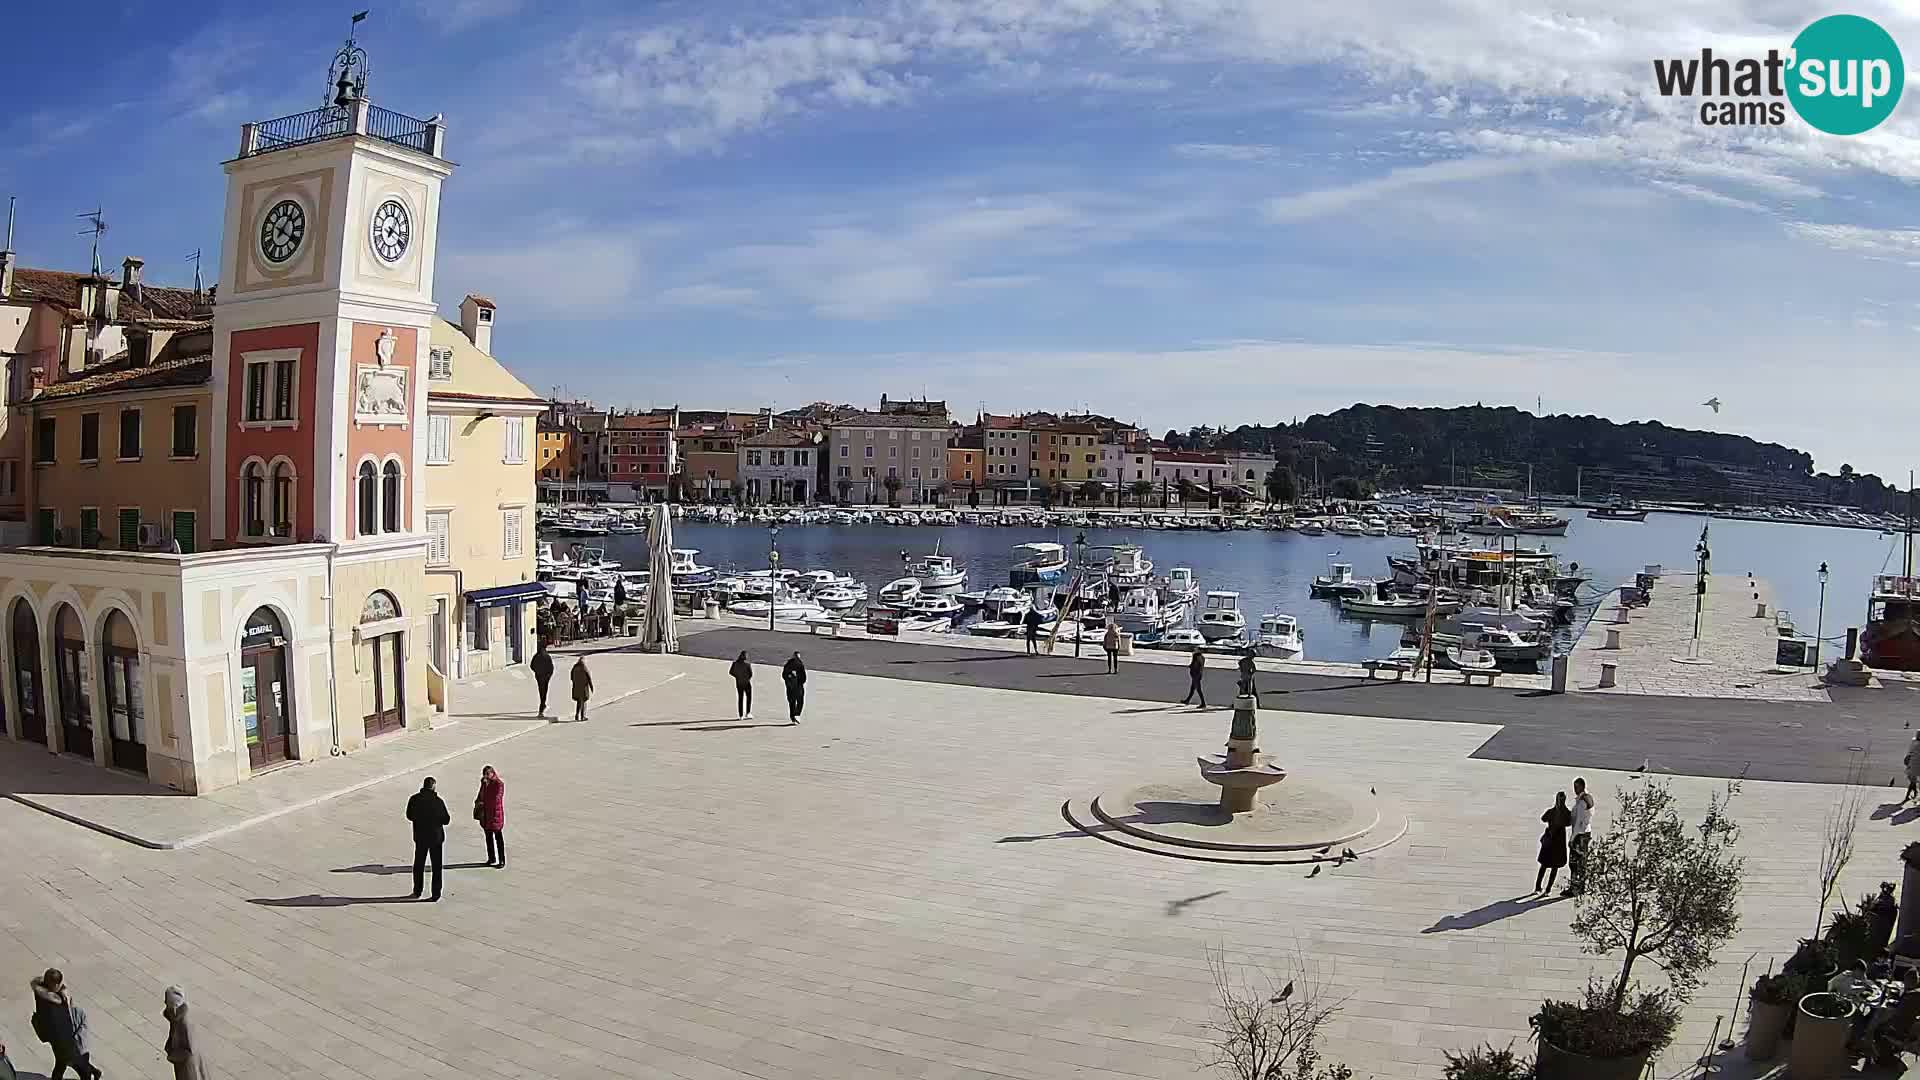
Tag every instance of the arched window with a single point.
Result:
(252, 496)
(283, 499)
(390, 498)
(369, 499)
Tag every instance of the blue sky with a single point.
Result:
(1182, 211)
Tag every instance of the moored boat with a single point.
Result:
(1220, 617)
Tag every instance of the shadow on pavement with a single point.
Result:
(315, 900)
(379, 868)
(1492, 913)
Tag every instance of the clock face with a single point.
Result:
(282, 230)
(391, 231)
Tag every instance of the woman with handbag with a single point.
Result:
(490, 810)
(62, 1025)
(1553, 842)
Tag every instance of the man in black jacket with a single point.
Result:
(429, 817)
(542, 666)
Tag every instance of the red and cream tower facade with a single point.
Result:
(319, 403)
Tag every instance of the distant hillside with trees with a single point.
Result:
(1385, 446)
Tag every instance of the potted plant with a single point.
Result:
(1815, 959)
(1850, 938)
(1819, 1046)
(1772, 1005)
(1655, 889)
(1487, 1063)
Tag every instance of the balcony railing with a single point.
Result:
(334, 121)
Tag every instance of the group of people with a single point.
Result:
(793, 673)
(1558, 849)
(61, 1023)
(428, 813)
(542, 667)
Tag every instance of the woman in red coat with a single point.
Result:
(490, 810)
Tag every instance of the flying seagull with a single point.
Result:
(1712, 403)
(1285, 993)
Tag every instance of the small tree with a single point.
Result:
(1836, 847)
(1350, 488)
(1656, 889)
(1142, 490)
(1282, 487)
(1263, 1030)
(892, 484)
(1090, 493)
(1185, 488)
(843, 486)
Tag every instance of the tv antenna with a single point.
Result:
(95, 225)
(194, 258)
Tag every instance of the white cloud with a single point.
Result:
(573, 271)
(708, 295)
(1288, 209)
(1878, 243)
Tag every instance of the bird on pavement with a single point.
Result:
(1316, 872)
(1347, 853)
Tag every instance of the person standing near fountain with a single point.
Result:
(1553, 843)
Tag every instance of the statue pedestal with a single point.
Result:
(1243, 770)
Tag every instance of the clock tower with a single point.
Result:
(320, 359)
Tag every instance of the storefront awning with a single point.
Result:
(506, 594)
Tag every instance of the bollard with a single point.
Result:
(1620, 614)
(1760, 610)
(1608, 671)
(1613, 639)
(1853, 640)
(1560, 673)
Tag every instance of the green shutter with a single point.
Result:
(130, 528)
(89, 528)
(183, 529)
(46, 523)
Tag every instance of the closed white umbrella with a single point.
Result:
(657, 633)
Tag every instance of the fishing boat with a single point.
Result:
(1280, 637)
(1041, 563)
(1180, 587)
(934, 607)
(1181, 637)
(1471, 658)
(900, 592)
(1140, 611)
(1891, 637)
(1004, 604)
(1371, 604)
(785, 608)
(815, 580)
(686, 569)
(938, 573)
(1128, 566)
(1220, 617)
(1340, 582)
(1618, 512)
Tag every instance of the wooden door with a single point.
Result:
(263, 704)
(389, 692)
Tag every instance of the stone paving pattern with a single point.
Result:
(887, 891)
(1739, 647)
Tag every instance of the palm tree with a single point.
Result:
(1141, 490)
(892, 484)
(1090, 492)
(1185, 487)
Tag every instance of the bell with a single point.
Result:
(345, 95)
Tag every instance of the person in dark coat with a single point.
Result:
(582, 688)
(542, 667)
(429, 817)
(188, 1062)
(6, 1065)
(794, 674)
(742, 673)
(1196, 670)
(490, 810)
(1112, 644)
(62, 1025)
(1553, 842)
(1033, 632)
(1246, 674)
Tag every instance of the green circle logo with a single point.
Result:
(1846, 75)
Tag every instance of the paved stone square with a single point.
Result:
(888, 890)
(1736, 645)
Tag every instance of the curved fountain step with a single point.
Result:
(1080, 814)
(1337, 838)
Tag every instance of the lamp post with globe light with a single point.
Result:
(1820, 620)
(773, 572)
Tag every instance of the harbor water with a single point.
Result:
(1271, 570)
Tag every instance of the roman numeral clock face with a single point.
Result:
(391, 231)
(282, 230)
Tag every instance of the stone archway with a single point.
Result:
(24, 635)
(266, 699)
(122, 688)
(383, 644)
(70, 682)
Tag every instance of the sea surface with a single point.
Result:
(1271, 570)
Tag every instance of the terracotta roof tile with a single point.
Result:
(903, 420)
(156, 303)
(120, 375)
(779, 437)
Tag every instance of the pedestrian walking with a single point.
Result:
(490, 810)
(429, 817)
(542, 668)
(1553, 843)
(6, 1065)
(62, 1025)
(1112, 644)
(794, 674)
(742, 673)
(1913, 767)
(1582, 841)
(1033, 632)
(1196, 671)
(187, 1060)
(1246, 675)
(582, 688)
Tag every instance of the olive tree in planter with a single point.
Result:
(1656, 890)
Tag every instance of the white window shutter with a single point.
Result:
(438, 525)
(439, 431)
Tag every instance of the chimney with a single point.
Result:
(476, 321)
(130, 277)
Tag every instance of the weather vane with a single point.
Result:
(347, 75)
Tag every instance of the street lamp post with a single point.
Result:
(1820, 620)
(773, 572)
(1075, 582)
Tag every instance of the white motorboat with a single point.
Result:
(840, 597)
(927, 626)
(686, 568)
(815, 580)
(1339, 581)
(1470, 658)
(1310, 527)
(1220, 618)
(937, 572)
(786, 609)
(900, 592)
(1140, 611)
(1375, 606)
(1181, 586)
(1129, 566)
(1037, 564)
(1182, 637)
(934, 607)
(1373, 526)
(1280, 637)
(994, 628)
(1004, 604)
(1346, 526)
